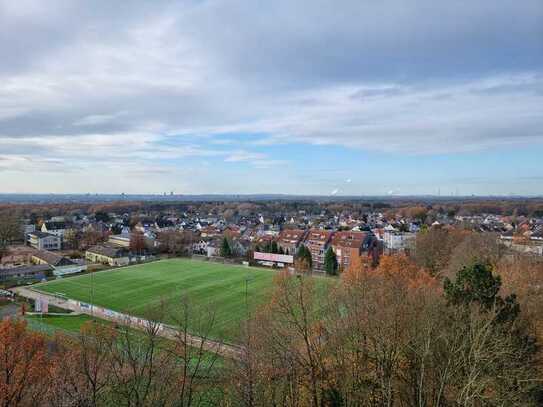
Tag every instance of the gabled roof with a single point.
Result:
(291, 236)
(42, 235)
(108, 251)
(31, 269)
(349, 239)
(52, 259)
(55, 225)
(318, 236)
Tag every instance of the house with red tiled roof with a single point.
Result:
(263, 241)
(317, 241)
(210, 232)
(290, 239)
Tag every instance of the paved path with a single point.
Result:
(9, 310)
(166, 331)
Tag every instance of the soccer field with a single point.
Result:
(136, 288)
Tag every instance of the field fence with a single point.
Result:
(216, 259)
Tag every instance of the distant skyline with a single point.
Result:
(291, 97)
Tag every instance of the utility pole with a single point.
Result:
(247, 280)
(92, 295)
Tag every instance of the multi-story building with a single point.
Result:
(317, 241)
(290, 239)
(44, 241)
(54, 228)
(349, 244)
(394, 240)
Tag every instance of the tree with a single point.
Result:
(493, 340)
(137, 242)
(72, 239)
(81, 371)
(476, 248)
(24, 366)
(477, 285)
(330, 262)
(177, 243)
(226, 250)
(90, 238)
(274, 248)
(303, 261)
(523, 276)
(10, 229)
(282, 364)
(434, 247)
(101, 216)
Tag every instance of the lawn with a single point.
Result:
(49, 324)
(135, 289)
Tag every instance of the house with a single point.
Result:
(318, 241)
(108, 254)
(30, 272)
(54, 228)
(213, 247)
(290, 239)
(210, 232)
(349, 244)
(200, 247)
(60, 265)
(44, 241)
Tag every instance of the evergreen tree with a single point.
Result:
(274, 248)
(477, 284)
(226, 250)
(304, 255)
(330, 262)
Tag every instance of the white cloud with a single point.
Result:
(81, 91)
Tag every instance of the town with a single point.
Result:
(266, 233)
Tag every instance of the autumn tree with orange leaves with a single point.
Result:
(24, 365)
(383, 336)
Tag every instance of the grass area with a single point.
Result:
(137, 288)
(49, 324)
(71, 325)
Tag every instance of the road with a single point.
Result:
(166, 331)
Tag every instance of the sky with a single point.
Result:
(315, 97)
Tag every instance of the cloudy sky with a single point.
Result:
(300, 97)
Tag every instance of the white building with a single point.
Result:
(54, 228)
(394, 240)
(44, 241)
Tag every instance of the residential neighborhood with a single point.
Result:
(69, 242)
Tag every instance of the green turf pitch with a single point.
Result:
(63, 323)
(136, 288)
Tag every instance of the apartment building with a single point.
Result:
(317, 241)
(349, 244)
(54, 228)
(290, 239)
(44, 241)
(395, 241)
